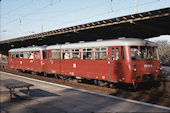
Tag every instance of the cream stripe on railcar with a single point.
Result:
(28, 49)
(116, 42)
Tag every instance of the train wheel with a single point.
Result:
(95, 82)
(135, 86)
(56, 76)
(45, 74)
(72, 80)
(18, 70)
(62, 77)
(112, 85)
(103, 83)
(33, 73)
(156, 84)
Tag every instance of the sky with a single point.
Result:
(27, 17)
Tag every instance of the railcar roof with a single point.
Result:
(36, 48)
(105, 43)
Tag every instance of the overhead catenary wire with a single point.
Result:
(21, 6)
(66, 13)
(51, 4)
(99, 14)
(106, 12)
(31, 13)
(85, 8)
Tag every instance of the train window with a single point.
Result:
(75, 54)
(103, 49)
(122, 53)
(117, 53)
(31, 55)
(101, 53)
(113, 56)
(97, 49)
(55, 54)
(97, 53)
(37, 55)
(26, 55)
(146, 53)
(155, 53)
(87, 54)
(44, 54)
(13, 55)
(21, 55)
(65, 54)
(135, 53)
(17, 55)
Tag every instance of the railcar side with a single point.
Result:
(101, 63)
(30, 59)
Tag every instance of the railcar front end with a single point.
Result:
(144, 65)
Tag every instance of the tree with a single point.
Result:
(164, 52)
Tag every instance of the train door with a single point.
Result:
(115, 63)
(37, 61)
(44, 58)
(47, 66)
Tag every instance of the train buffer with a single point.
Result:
(12, 84)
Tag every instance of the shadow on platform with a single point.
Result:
(38, 93)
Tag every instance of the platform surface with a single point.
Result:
(50, 98)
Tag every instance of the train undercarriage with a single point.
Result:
(147, 82)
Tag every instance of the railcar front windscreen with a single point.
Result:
(144, 53)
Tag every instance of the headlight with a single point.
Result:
(160, 68)
(134, 69)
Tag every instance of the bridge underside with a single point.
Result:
(142, 25)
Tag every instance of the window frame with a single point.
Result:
(87, 51)
(63, 54)
(75, 54)
(39, 55)
(100, 51)
(57, 53)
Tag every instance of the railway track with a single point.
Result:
(160, 96)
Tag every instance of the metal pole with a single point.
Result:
(111, 5)
(4, 33)
(136, 6)
(42, 28)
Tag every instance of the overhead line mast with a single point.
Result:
(136, 1)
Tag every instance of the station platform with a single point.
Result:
(48, 97)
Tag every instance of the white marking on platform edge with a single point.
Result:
(114, 97)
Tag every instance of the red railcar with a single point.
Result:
(123, 60)
(30, 58)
